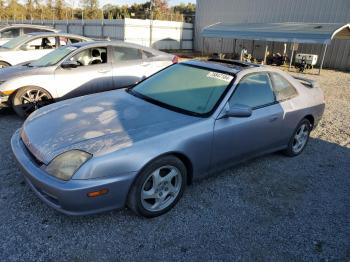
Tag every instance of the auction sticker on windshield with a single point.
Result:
(220, 76)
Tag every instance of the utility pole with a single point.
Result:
(151, 23)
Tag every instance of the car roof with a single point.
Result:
(113, 43)
(33, 34)
(29, 26)
(223, 65)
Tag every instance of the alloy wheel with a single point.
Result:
(161, 188)
(300, 138)
(33, 99)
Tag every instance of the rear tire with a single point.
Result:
(299, 139)
(158, 187)
(4, 64)
(28, 99)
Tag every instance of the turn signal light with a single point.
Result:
(8, 92)
(98, 193)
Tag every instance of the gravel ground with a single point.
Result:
(268, 209)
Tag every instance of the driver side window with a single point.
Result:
(40, 43)
(91, 56)
(254, 91)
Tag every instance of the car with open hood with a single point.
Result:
(141, 146)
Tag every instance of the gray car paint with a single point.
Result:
(125, 133)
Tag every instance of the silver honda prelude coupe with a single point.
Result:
(141, 146)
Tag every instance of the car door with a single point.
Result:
(35, 49)
(93, 75)
(128, 66)
(237, 138)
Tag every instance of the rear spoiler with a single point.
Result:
(307, 82)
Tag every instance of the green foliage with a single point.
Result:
(89, 9)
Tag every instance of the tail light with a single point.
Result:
(175, 59)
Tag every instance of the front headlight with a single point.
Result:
(65, 165)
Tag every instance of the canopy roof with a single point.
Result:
(314, 33)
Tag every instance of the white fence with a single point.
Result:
(160, 34)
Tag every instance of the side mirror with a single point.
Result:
(69, 64)
(238, 111)
(25, 47)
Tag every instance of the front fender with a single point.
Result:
(42, 81)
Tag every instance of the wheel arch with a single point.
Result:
(181, 156)
(32, 86)
(2, 61)
(311, 120)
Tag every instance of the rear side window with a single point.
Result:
(282, 88)
(126, 54)
(28, 30)
(253, 90)
(10, 33)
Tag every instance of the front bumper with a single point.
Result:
(4, 101)
(70, 197)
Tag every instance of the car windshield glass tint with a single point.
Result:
(15, 42)
(185, 87)
(53, 57)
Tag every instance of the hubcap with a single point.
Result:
(161, 188)
(300, 138)
(32, 100)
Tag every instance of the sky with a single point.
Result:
(122, 2)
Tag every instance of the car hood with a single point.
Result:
(21, 70)
(97, 124)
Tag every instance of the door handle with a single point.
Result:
(146, 64)
(103, 71)
(273, 118)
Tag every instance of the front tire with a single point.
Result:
(299, 139)
(158, 187)
(28, 99)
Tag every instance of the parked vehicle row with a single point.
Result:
(8, 32)
(78, 69)
(33, 46)
(167, 125)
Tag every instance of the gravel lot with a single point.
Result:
(267, 209)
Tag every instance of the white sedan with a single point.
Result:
(33, 46)
(8, 32)
(76, 70)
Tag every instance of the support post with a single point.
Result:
(234, 49)
(222, 45)
(265, 54)
(203, 43)
(323, 56)
(291, 57)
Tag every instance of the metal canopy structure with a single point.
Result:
(308, 33)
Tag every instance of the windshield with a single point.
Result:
(15, 42)
(193, 89)
(53, 57)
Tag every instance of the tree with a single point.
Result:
(60, 9)
(91, 9)
(2, 9)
